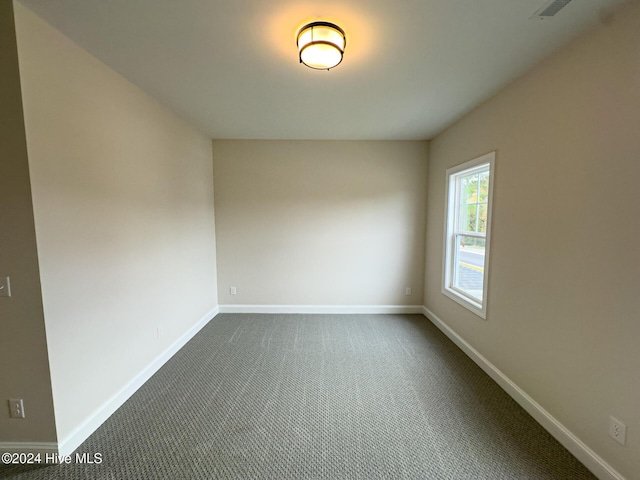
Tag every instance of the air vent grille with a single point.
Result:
(550, 8)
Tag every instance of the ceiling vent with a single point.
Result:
(549, 9)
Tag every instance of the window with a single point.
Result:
(467, 233)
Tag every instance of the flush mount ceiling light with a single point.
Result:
(321, 45)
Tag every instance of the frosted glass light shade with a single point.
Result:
(321, 45)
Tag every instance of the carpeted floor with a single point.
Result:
(319, 397)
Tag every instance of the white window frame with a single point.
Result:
(450, 232)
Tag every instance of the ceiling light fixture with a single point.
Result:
(321, 45)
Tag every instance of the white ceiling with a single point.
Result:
(230, 67)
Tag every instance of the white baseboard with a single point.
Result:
(577, 447)
(29, 447)
(329, 309)
(102, 413)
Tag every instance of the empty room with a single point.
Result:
(320, 240)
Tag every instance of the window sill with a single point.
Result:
(470, 305)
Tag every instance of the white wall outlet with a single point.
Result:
(16, 406)
(5, 287)
(617, 430)
(232, 290)
(159, 331)
(407, 291)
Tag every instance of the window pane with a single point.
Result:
(482, 218)
(469, 189)
(483, 181)
(468, 274)
(467, 218)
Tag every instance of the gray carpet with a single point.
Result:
(319, 397)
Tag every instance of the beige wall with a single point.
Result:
(564, 287)
(24, 370)
(123, 203)
(320, 222)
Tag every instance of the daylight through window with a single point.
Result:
(469, 188)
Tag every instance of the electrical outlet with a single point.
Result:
(232, 290)
(617, 430)
(159, 331)
(407, 291)
(5, 287)
(16, 406)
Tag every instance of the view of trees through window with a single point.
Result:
(474, 198)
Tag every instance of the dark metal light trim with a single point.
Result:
(321, 42)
